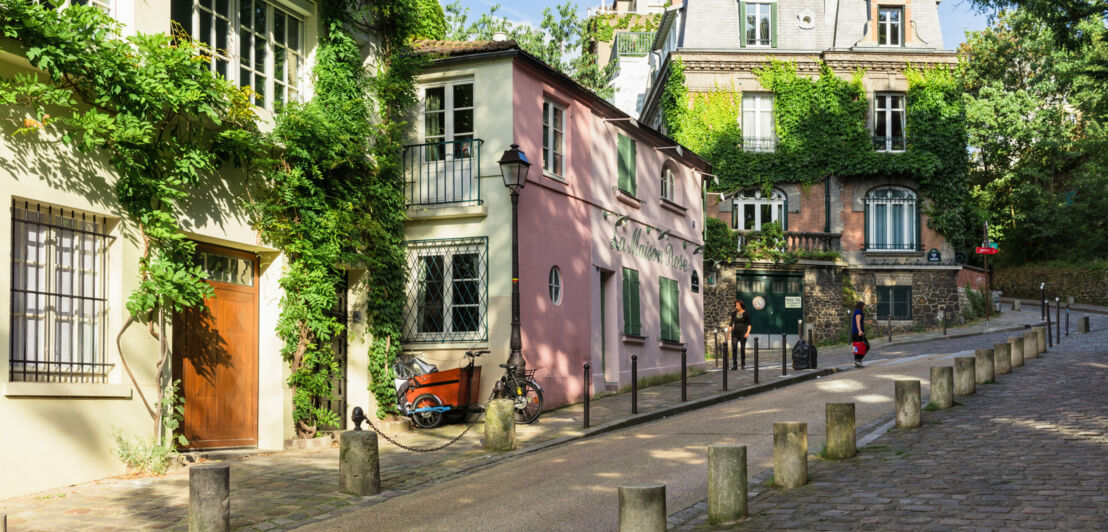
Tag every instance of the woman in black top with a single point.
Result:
(740, 330)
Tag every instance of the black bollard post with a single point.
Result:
(890, 325)
(634, 384)
(1049, 331)
(784, 356)
(815, 353)
(684, 375)
(715, 337)
(1042, 299)
(588, 379)
(944, 322)
(1057, 320)
(725, 373)
(755, 360)
(1067, 319)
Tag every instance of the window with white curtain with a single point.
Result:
(757, 122)
(892, 220)
(888, 122)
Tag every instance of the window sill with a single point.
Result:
(628, 198)
(556, 177)
(633, 339)
(669, 205)
(671, 345)
(894, 252)
(444, 212)
(414, 344)
(66, 390)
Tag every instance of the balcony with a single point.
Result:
(760, 144)
(796, 241)
(633, 43)
(889, 144)
(443, 173)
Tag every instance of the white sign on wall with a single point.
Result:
(792, 302)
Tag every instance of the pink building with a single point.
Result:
(610, 226)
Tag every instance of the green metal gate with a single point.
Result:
(780, 294)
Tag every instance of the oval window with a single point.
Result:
(556, 285)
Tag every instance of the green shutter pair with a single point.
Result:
(631, 323)
(772, 24)
(670, 310)
(626, 164)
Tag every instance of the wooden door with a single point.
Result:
(215, 353)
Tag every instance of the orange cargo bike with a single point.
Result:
(428, 395)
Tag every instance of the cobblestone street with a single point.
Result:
(1026, 453)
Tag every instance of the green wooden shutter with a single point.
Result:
(663, 309)
(623, 150)
(636, 323)
(773, 24)
(626, 301)
(675, 309)
(632, 157)
(742, 24)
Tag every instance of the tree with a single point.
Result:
(1036, 118)
(559, 41)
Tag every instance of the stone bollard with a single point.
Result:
(984, 368)
(1030, 345)
(1016, 304)
(907, 404)
(1002, 358)
(359, 463)
(840, 431)
(942, 386)
(209, 498)
(1041, 331)
(500, 425)
(965, 378)
(1015, 347)
(790, 454)
(727, 486)
(1083, 325)
(642, 508)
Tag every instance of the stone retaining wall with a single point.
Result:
(1085, 285)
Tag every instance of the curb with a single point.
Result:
(1010, 328)
(1035, 303)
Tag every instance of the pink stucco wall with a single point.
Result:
(562, 223)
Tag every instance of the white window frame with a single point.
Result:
(754, 198)
(884, 20)
(759, 11)
(291, 89)
(449, 135)
(667, 182)
(554, 281)
(448, 250)
(887, 229)
(553, 153)
(755, 106)
(895, 108)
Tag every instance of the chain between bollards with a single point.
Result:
(755, 360)
(634, 384)
(684, 375)
(588, 380)
(784, 355)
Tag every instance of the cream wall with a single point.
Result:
(58, 434)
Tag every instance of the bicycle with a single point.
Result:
(523, 390)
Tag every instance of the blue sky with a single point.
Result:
(956, 16)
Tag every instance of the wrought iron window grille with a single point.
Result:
(447, 299)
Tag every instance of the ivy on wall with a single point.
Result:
(162, 119)
(602, 28)
(820, 125)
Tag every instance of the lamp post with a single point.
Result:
(513, 168)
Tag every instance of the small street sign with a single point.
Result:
(987, 251)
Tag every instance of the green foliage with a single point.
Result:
(154, 456)
(561, 40)
(766, 245)
(602, 28)
(719, 245)
(821, 130)
(432, 20)
(850, 295)
(1036, 116)
(976, 307)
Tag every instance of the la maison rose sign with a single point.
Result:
(642, 247)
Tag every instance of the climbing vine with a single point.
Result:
(602, 28)
(820, 126)
(162, 119)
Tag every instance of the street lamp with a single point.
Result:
(513, 168)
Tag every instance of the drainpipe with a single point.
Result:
(827, 203)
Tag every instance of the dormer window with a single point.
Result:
(890, 26)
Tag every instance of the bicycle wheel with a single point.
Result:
(528, 405)
(426, 420)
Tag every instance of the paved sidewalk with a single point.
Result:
(280, 491)
(1027, 453)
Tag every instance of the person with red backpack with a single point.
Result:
(859, 342)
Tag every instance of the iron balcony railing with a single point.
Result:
(760, 144)
(889, 143)
(889, 246)
(795, 240)
(634, 43)
(437, 173)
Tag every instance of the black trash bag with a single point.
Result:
(802, 356)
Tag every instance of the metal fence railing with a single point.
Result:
(760, 144)
(888, 143)
(634, 43)
(443, 172)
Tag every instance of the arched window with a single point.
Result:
(667, 183)
(892, 220)
(751, 210)
(695, 282)
(556, 285)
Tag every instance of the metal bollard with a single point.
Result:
(1057, 320)
(815, 354)
(1049, 338)
(1067, 319)
(1042, 299)
(755, 360)
(588, 379)
(634, 384)
(725, 374)
(209, 498)
(684, 375)
(784, 355)
(944, 323)
(890, 327)
(715, 337)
